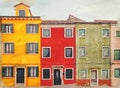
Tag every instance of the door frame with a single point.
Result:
(61, 74)
(90, 77)
(16, 76)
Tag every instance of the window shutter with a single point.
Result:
(117, 73)
(36, 28)
(36, 47)
(3, 28)
(37, 71)
(11, 71)
(29, 71)
(12, 47)
(116, 54)
(3, 71)
(12, 28)
(27, 28)
(27, 48)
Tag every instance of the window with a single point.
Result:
(46, 52)
(68, 52)
(32, 47)
(33, 71)
(46, 74)
(117, 33)
(7, 71)
(83, 74)
(69, 32)
(105, 33)
(81, 52)
(21, 12)
(81, 32)
(32, 28)
(116, 54)
(69, 74)
(9, 47)
(104, 74)
(7, 28)
(105, 52)
(46, 32)
(117, 73)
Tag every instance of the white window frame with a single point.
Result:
(108, 31)
(65, 52)
(80, 75)
(72, 74)
(79, 51)
(102, 73)
(82, 29)
(42, 51)
(109, 51)
(19, 12)
(43, 34)
(50, 74)
(65, 33)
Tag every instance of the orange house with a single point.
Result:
(21, 47)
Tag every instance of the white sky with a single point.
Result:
(88, 10)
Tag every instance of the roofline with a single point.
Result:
(20, 17)
(22, 4)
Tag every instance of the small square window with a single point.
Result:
(33, 71)
(106, 52)
(68, 52)
(82, 52)
(46, 74)
(117, 33)
(83, 74)
(7, 71)
(46, 52)
(117, 73)
(46, 33)
(69, 74)
(105, 33)
(81, 32)
(68, 32)
(21, 12)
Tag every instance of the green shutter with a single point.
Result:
(12, 47)
(117, 33)
(27, 28)
(36, 47)
(37, 71)
(27, 48)
(12, 28)
(36, 28)
(3, 28)
(29, 71)
(116, 54)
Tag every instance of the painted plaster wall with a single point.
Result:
(115, 44)
(93, 43)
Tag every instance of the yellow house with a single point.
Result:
(21, 47)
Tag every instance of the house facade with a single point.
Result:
(115, 54)
(58, 53)
(21, 47)
(93, 54)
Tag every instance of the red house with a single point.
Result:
(58, 64)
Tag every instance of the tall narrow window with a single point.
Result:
(68, 52)
(33, 71)
(116, 54)
(68, 32)
(104, 74)
(21, 12)
(105, 33)
(46, 52)
(32, 28)
(69, 74)
(81, 32)
(81, 52)
(117, 73)
(9, 47)
(83, 74)
(106, 52)
(7, 28)
(46, 32)
(7, 71)
(117, 33)
(32, 47)
(46, 73)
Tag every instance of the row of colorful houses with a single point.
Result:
(36, 52)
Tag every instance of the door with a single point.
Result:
(94, 78)
(57, 78)
(20, 75)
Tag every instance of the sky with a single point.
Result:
(88, 10)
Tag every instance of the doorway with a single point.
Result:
(20, 75)
(57, 77)
(94, 77)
